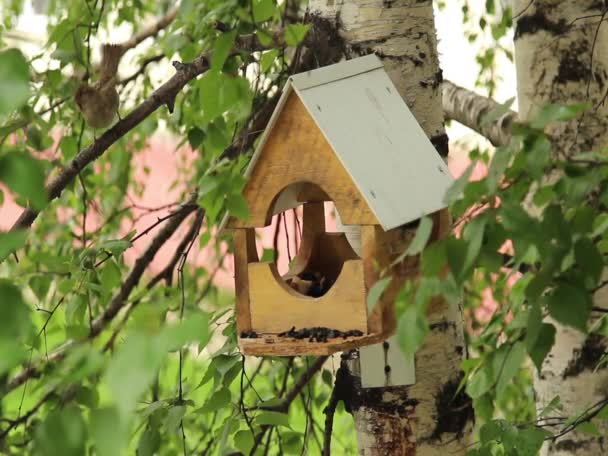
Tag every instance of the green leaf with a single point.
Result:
(243, 440)
(498, 112)
(24, 175)
(376, 291)
(195, 137)
(149, 442)
(570, 305)
(11, 242)
(454, 192)
(553, 407)
(412, 328)
(456, 253)
(37, 139)
(115, 246)
(490, 431)
(543, 344)
(237, 206)
(513, 361)
(530, 440)
(423, 234)
(473, 234)
(268, 256)
(62, 432)
(554, 113)
(174, 418)
(267, 60)
(263, 10)
(600, 225)
(434, 259)
(14, 81)
(209, 94)
(15, 323)
(110, 276)
(295, 34)
(589, 428)
(272, 419)
(223, 45)
(131, 371)
(193, 328)
(110, 433)
(480, 382)
(69, 147)
(535, 321)
(590, 260)
(218, 400)
(207, 184)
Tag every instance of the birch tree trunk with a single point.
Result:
(561, 54)
(425, 418)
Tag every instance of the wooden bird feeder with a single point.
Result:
(343, 134)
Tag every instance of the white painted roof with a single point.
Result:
(375, 136)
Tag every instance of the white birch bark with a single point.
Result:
(562, 57)
(469, 109)
(421, 419)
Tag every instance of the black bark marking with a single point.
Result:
(441, 143)
(454, 410)
(433, 82)
(577, 446)
(374, 398)
(574, 65)
(324, 45)
(587, 357)
(537, 21)
(442, 325)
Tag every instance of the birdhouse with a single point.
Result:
(342, 134)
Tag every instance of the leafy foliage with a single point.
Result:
(542, 263)
(98, 358)
(123, 367)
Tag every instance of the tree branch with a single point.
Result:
(141, 264)
(297, 388)
(144, 63)
(469, 109)
(165, 94)
(342, 387)
(150, 31)
(35, 369)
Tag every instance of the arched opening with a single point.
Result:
(302, 241)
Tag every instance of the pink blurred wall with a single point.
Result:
(163, 161)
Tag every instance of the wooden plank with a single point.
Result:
(275, 307)
(313, 225)
(272, 345)
(296, 151)
(244, 251)
(370, 251)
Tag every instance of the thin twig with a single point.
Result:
(118, 301)
(165, 94)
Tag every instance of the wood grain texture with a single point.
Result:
(272, 345)
(244, 252)
(275, 307)
(297, 151)
(313, 225)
